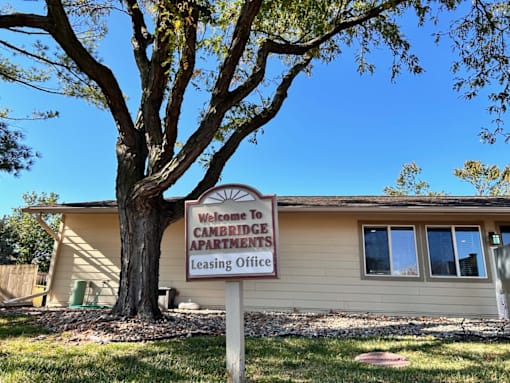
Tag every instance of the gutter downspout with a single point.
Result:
(53, 262)
(45, 226)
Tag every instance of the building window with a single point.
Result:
(505, 234)
(455, 251)
(390, 250)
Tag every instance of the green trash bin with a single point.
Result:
(78, 293)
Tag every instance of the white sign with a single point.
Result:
(231, 232)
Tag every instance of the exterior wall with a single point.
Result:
(89, 250)
(320, 268)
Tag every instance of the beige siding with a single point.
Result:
(319, 261)
(89, 250)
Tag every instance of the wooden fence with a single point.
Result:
(42, 279)
(17, 281)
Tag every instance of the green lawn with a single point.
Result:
(202, 359)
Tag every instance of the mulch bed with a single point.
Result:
(103, 327)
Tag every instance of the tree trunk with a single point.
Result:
(141, 231)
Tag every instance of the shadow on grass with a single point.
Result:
(188, 360)
(19, 325)
(332, 360)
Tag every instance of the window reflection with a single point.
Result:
(390, 250)
(455, 251)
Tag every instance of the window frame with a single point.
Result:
(504, 228)
(458, 275)
(388, 228)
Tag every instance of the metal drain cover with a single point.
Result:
(383, 359)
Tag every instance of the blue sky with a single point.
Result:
(338, 133)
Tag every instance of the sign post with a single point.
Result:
(234, 331)
(232, 234)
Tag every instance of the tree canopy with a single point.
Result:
(14, 155)
(26, 239)
(486, 179)
(242, 57)
(7, 247)
(408, 183)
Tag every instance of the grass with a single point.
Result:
(25, 358)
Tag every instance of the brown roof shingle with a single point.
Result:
(492, 203)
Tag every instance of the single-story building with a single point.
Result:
(390, 255)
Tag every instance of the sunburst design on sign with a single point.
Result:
(229, 194)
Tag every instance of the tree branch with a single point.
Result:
(182, 79)
(152, 100)
(29, 84)
(222, 100)
(140, 40)
(61, 30)
(218, 106)
(240, 38)
(58, 26)
(271, 46)
(300, 49)
(25, 20)
(44, 60)
(32, 55)
(174, 209)
(220, 158)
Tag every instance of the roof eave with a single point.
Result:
(60, 209)
(69, 210)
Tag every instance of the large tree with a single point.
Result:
(244, 55)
